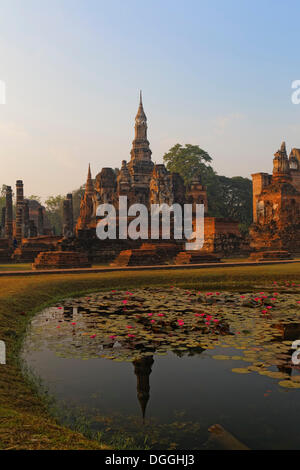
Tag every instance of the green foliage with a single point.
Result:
(227, 197)
(33, 197)
(2, 198)
(54, 212)
(230, 197)
(187, 161)
(77, 195)
(54, 208)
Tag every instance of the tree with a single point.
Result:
(54, 212)
(2, 197)
(77, 195)
(33, 197)
(236, 195)
(188, 161)
(227, 197)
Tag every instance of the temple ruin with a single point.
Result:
(276, 205)
(28, 233)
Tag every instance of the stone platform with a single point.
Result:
(195, 257)
(61, 260)
(5, 251)
(149, 254)
(139, 257)
(31, 247)
(270, 255)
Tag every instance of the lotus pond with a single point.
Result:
(155, 367)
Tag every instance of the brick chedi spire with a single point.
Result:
(89, 187)
(140, 145)
(281, 169)
(140, 166)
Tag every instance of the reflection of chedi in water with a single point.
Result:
(142, 370)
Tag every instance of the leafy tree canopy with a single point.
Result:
(227, 197)
(187, 161)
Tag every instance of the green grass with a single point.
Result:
(16, 267)
(25, 422)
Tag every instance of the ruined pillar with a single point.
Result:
(67, 226)
(3, 222)
(32, 229)
(40, 221)
(26, 218)
(70, 199)
(9, 214)
(19, 211)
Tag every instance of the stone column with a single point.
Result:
(40, 221)
(71, 215)
(26, 218)
(32, 229)
(67, 229)
(19, 211)
(3, 222)
(9, 214)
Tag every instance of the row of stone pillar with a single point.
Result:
(24, 226)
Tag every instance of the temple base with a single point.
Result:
(61, 260)
(270, 255)
(196, 257)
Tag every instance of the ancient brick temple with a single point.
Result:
(144, 182)
(276, 204)
(140, 180)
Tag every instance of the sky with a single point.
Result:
(214, 73)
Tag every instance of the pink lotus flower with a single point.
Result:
(269, 306)
(152, 321)
(125, 301)
(131, 336)
(73, 323)
(242, 296)
(160, 315)
(93, 336)
(112, 337)
(129, 327)
(264, 311)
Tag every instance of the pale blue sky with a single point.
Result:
(213, 73)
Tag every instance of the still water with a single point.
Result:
(162, 379)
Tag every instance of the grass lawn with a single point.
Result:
(24, 420)
(16, 267)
